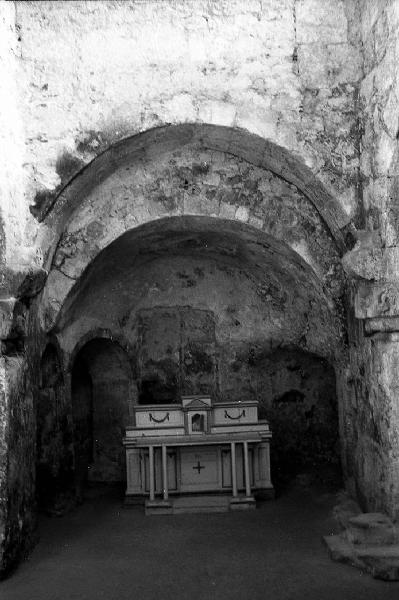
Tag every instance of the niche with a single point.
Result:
(101, 393)
(198, 423)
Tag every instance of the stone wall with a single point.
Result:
(175, 348)
(95, 73)
(314, 77)
(297, 394)
(54, 451)
(18, 252)
(243, 308)
(17, 256)
(372, 437)
(379, 96)
(192, 180)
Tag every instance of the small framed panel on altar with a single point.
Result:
(197, 422)
(196, 410)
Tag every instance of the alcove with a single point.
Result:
(101, 384)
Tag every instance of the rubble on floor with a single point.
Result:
(368, 541)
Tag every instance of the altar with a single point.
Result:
(181, 457)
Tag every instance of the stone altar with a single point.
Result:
(194, 449)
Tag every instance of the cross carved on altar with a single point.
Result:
(198, 466)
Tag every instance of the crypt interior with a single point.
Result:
(197, 199)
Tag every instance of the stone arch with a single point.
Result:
(241, 362)
(267, 260)
(101, 333)
(56, 210)
(168, 180)
(191, 170)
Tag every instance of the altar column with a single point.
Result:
(246, 471)
(152, 478)
(165, 473)
(233, 469)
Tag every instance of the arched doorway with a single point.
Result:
(208, 226)
(101, 405)
(207, 306)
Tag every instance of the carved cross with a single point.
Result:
(198, 466)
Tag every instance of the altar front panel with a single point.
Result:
(199, 469)
(195, 469)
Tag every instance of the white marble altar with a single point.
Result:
(197, 448)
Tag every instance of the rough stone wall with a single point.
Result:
(18, 252)
(176, 350)
(96, 72)
(17, 255)
(379, 95)
(18, 491)
(54, 451)
(296, 392)
(373, 265)
(243, 311)
(87, 76)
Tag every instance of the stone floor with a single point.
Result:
(102, 550)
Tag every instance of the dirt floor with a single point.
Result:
(103, 550)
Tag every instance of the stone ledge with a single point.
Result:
(383, 325)
(382, 562)
(368, 541)
(376, 299)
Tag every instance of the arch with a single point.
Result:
(153, 143)
(266, 260)
(89, 236)
(101, 333)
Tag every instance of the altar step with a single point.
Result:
(204, 504)
(198, 504)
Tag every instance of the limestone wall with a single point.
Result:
(16, 452)
(17, 253)
(379, 96)
(372, 430)
(77, 77)
(95, 72)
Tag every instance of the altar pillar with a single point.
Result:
(246, 471)
(152, 478)
(233, 469)
(264, 465)
(165, 473)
